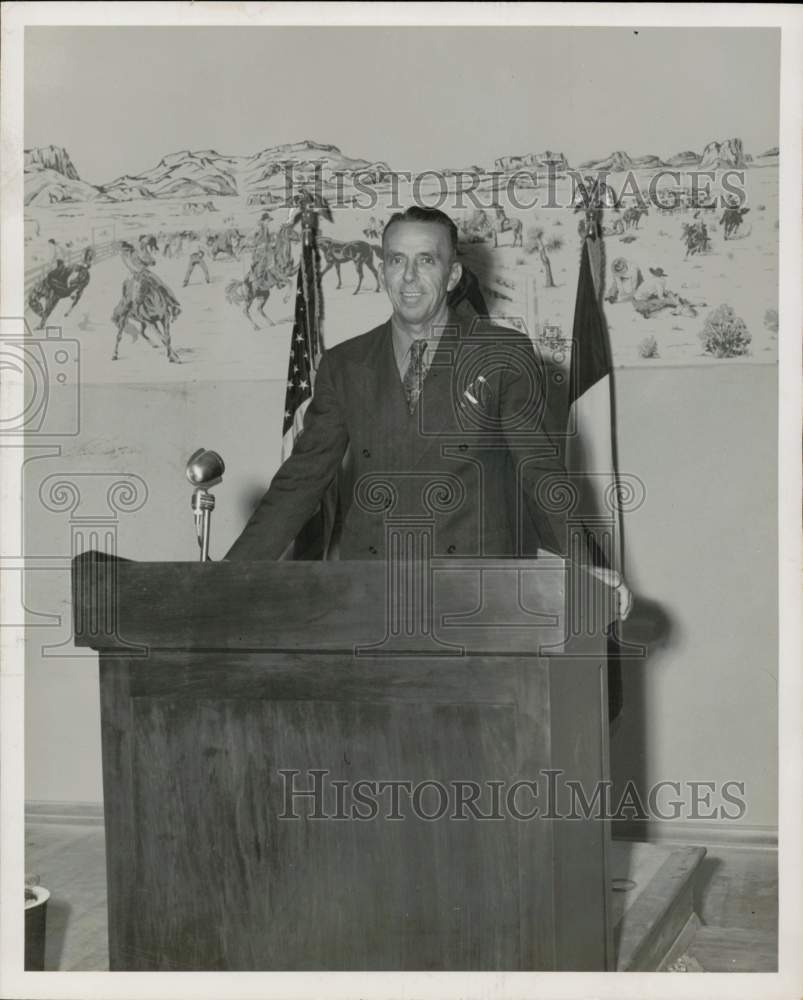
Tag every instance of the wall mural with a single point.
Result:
(185, 271)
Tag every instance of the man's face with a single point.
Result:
(418, 272)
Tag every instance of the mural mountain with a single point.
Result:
(51, 177)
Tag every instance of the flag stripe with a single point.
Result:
(305, 344)
(306, 347)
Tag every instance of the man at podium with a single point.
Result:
(441, 420)
(223, 852)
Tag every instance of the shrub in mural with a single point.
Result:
(724, 334)
(210, 277)
(648, 348)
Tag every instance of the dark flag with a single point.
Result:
(590, 452)
(590, 455)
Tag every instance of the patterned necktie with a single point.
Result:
(414, 376)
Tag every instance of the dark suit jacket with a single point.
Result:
(466, 466)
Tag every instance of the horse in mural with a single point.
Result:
(632, 216)
(272, 266)
(229, 243)
(502, 224)
(482, 226)
(360, 253)
(146, 300)
(695, 238)
(58, 284)
(731, 221)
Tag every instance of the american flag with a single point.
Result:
(306, 346)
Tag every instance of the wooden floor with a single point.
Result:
(736, 900)
(737, 903)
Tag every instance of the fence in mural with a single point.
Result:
(103, 251)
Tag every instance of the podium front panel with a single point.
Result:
(220, 861)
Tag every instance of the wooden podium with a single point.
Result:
(255, 715)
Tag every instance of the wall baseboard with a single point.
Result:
(651, 831)
(65, 813)
(700, 834)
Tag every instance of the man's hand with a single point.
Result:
(624, 596)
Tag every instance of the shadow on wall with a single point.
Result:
(651, 627)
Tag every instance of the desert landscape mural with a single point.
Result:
(678, 258)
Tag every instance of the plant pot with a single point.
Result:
(35, 918)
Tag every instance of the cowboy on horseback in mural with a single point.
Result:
(732, 219)
(264, 271)
(60, 282)
(271, 267)
(145, 299)
(695, 236)
(57, 260)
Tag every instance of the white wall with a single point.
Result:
(701, 554)
(703, 548)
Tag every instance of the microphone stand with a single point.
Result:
(204, 469)
(203, 503)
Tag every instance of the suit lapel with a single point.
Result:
(380, 402)
(437, 407)
(377, 398)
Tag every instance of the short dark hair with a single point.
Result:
(419, 213)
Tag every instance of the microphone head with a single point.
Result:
(205, 468)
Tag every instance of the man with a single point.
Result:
(263, 269)
(626, 278)
(56, 267)
(652, 295)
(442, 419)
(196, 251)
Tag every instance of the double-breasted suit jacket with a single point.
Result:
(472, 466)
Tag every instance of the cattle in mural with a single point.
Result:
(374, 229)
(198, 207)
(260, 198)
(227, 244)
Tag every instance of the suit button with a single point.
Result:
(366, 453)
(462, 447)
(372, 549)
(451, 549)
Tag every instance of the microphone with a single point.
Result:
(204, 469)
